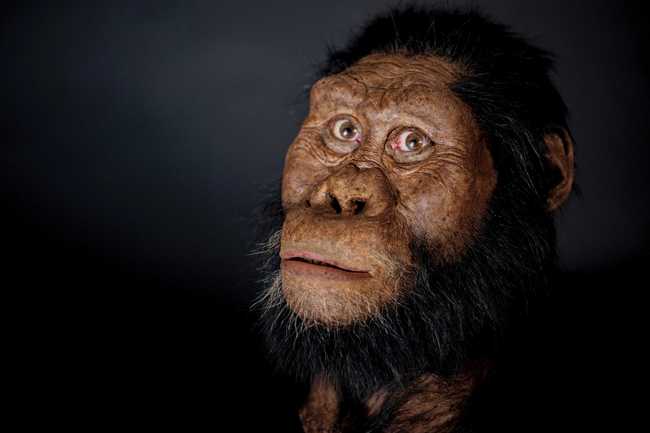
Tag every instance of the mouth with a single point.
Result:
(308, 263)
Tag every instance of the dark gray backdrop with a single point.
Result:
(140, 133)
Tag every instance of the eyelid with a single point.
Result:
(343, 115)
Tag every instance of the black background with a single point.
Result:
(138, 136)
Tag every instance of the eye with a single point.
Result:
(409, 145)
(410, 141)
(343, 134)
(345, 129)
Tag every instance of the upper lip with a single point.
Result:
(318, 259)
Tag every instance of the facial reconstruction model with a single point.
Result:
(416, 219)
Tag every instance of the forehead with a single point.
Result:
(383, 81)
(381, 69)
(378, 72)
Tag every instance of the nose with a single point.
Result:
(353, 191)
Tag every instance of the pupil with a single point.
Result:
(347, 131)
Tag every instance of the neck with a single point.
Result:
(427, 404)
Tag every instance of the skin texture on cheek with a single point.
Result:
(358, 211)
(446, 203)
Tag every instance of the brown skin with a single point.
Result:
(438, 193)
(387, 153)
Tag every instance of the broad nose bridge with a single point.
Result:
(353, 191)
(378, 121)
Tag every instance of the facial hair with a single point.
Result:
(448, 314)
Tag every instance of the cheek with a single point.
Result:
(445, 214)
(434, 212)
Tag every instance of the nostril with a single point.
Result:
(308, 203)
(334, 203)
(357, 206)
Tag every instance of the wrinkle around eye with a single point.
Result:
(438, 168)
(454, 156)
(431, 171)
(310, 142)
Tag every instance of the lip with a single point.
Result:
(308, 262)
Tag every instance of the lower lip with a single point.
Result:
(300, 268)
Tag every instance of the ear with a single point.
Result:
(559, 155)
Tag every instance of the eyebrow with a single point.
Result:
(345, 96)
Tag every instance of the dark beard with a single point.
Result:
(453, 313)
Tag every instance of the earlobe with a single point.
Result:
(559, 154)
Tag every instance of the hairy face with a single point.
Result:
(395, 251)
(386, 157)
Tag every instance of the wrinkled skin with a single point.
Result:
(386, 155)
(438, 193)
